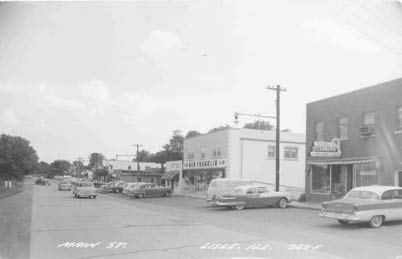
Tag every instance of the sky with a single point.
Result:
(84, 77)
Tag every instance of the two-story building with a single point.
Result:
(242, 154)
(354, 139)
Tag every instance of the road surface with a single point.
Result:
(115, 226)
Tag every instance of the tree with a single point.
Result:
(59, 167)
(192, 133)
(143, 156)
(17, 157)
(261, 125)
(219, 128)
(96, 161)
(42, 168)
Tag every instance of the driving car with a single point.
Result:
(64, 186)
(256, 195)
(99, 184)
(149, 190)
(84, 189)
(372, 204)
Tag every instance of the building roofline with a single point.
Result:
(379, 85)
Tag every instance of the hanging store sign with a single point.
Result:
(212, 163)
(326, 149)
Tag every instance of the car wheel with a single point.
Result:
(343, 222)
(94, 196)
(282, 203)
(376, 221)
(75, 195)
(239, 207)
(167, 194)
(141, 195)
(78, 196)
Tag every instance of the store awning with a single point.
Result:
(344, 161)
(169, 175)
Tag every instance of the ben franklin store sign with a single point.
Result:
(326, 149)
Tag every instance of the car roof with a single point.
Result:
(378, 189)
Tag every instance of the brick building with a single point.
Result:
(354, 139)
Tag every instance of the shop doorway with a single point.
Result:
(398, 178)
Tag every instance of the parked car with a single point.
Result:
(253, 196)
(118, 186)
(131, 185)
(64, 186)
(149, 190)
(221, 186)
(41, 181)
(99, 184)
(107, 188)
(84, 189)
(372, 204)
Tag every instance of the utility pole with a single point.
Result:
(278, 90)
(79, 166)
(138, 162)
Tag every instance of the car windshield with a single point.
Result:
(365, 195)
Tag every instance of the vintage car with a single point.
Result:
(64, 186)
(84, 189)
(41, 181)
(118, 186)
(149, 190)
(253, 196)
(221, 186)
(373, 204)
(131, 185)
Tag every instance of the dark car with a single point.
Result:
(118, 187)
(149, 190)
(41, 181)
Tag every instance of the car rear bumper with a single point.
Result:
(340, 216)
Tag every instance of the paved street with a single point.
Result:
(114, 226)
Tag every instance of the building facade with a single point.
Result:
(354, 139)
(127, 171)
(242, 154)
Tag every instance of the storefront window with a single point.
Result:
(320, 179)
(366, 174)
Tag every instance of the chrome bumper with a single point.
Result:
(341, 216)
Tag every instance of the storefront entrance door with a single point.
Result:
(400, 178)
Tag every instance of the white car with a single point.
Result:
(373, 204)
(84, 189)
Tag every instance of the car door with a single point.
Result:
(252, 197)
(397, 204)
(266, 197)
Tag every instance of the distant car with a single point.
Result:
(64, 186)
(41, 181)
(131, 185)
(84, 189)
(373, 204)
(118, 186)
(253, 196)
(107, 188)
(149, 190)
(99, 184)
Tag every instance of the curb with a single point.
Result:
(191, 197)
(302, 207)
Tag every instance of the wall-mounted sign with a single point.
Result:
(212, 163)
(326, 149)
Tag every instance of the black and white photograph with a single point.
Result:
(201, 129)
